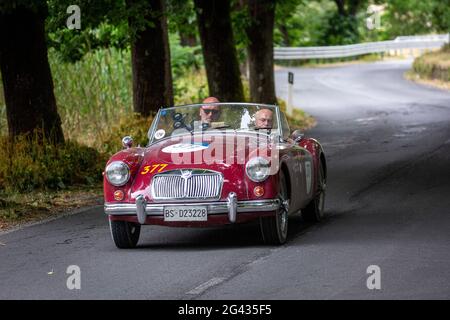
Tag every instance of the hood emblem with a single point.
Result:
(186, 174)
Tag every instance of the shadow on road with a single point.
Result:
(228, 237)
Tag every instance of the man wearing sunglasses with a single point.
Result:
(210, 113)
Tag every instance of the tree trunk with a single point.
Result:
(260, 51)
(350, 10)
(27, 80)
(150, 58)
(284, 34)
(341, 7)
(219, 52)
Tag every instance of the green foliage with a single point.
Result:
(103, 25)
(240, 20)
(72, 45)
(312, 23)
(191, 87)
(340, 30)
(26, 165)
(184, 58)
(181, 17)
(93, 13)
(291, 25)
(441, 16)
(416, 17)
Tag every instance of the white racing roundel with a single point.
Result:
(184, 147)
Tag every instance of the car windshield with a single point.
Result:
(198, 118)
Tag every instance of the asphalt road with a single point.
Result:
(388, 204)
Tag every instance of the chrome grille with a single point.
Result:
(187, 184)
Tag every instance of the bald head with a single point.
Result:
(211, 100)
(263, 119)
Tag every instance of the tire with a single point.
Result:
(125, 234)
(314, 211)
(274, 229)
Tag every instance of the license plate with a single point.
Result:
(190, 213)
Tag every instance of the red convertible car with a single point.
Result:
(215, 164)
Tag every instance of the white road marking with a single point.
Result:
(206, 285)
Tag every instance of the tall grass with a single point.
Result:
(3, 122)
(95, 99)
(92, 94)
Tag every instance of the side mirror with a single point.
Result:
(297, 135)
(127, 142)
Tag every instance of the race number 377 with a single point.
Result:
(150, 169)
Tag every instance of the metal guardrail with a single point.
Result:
(400, 43)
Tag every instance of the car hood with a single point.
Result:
(227, 154)
(227, 148)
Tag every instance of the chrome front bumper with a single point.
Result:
(231, 207)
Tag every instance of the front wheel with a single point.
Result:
(125, 234)
(274, 228)
(315, 210)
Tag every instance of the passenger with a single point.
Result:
(263, 119)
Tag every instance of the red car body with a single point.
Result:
(300, 161)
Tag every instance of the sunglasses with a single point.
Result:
(208, 111)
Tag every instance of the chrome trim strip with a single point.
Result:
(212, 207)
(151, 130)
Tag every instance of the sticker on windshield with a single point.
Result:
(160, 134)
(185, 147)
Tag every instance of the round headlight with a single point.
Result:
(117, 173)
(257, 169)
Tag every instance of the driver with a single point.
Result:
(209, 113)
(263, 119)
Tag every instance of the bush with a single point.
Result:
(27, 165)
(135, 126)
(434, 65)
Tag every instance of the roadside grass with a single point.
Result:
(299, 119)
(94, 98)
(435, 83)
(432, 69)
(40, 179)
(17, 209)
